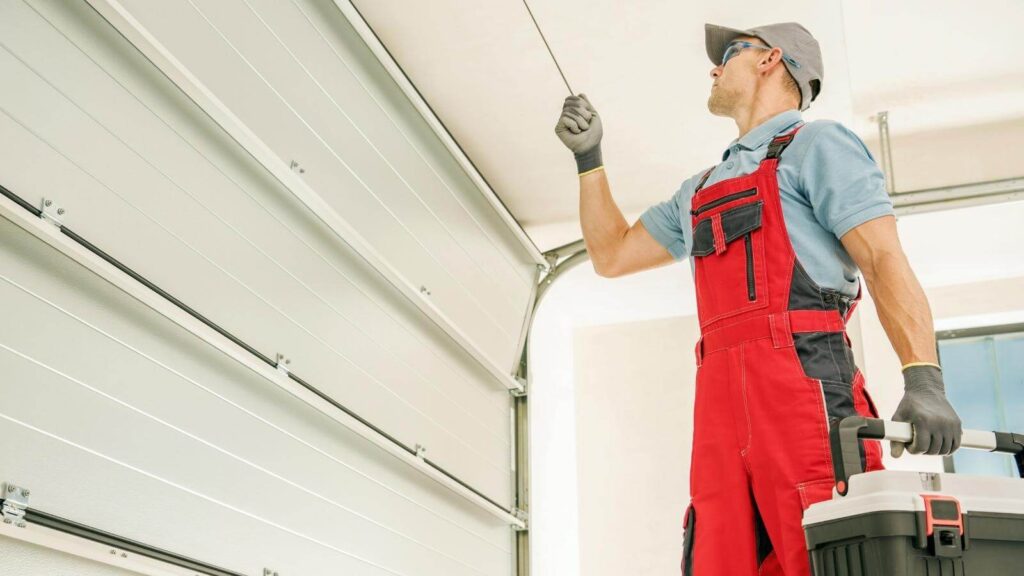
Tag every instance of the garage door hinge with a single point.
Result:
(15, 501)
(521, 391)
(51, 212)
(281, 363)
(524, 516)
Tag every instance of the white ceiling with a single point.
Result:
(935, 64)
(484, 69)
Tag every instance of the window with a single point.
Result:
(983, 370)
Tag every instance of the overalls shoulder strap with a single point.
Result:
(780, 142)
(704, 179)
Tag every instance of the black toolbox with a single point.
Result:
(904, 523)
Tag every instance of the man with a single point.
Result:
(776, 234)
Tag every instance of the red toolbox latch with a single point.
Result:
(944, 525)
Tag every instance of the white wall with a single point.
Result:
(634, 406)
(578, 299)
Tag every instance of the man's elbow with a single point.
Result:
(604, 270)
(883, 261)
(608, 267)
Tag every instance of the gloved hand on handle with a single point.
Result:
(579, 128)
(937, 428)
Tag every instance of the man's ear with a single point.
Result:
(770, 59)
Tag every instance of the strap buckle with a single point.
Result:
(779, 144)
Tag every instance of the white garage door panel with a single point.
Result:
(24, 559)
(103, 424)
(146, 508)
(283, 41)
(232, 52)
(395, 129)
(170, 196)
(133, 369)
(343, 364)
(258, 216)
(155, 398)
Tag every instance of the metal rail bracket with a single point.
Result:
(52, 212)
(524, 517)
(15, 501)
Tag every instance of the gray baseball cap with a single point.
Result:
(794, 40)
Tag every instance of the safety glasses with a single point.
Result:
(735, 48)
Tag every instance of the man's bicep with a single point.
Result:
(662, 224)
(641, 251)
(871, 240)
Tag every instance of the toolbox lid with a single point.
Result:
(900, 490)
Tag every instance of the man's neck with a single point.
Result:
(747, 120)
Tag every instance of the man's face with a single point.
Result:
(735, 82)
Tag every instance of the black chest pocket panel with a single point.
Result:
(735, 223)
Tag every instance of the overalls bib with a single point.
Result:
(773, 366)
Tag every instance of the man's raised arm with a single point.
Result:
(615, 248)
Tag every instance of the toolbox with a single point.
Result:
(905, 523)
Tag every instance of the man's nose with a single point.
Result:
(716, 71)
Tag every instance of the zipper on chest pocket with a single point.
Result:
(723, 200)
(749, 245)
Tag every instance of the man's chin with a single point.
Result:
(716, 107)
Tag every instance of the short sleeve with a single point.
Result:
(663, 223)
(843, 185)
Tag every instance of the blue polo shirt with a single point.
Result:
(829, 184)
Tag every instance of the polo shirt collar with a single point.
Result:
(766, 130)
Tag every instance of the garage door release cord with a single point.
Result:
(548, 46)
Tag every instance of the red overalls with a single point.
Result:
(774, 365)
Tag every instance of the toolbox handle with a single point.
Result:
(844, 434)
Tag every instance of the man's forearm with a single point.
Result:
(902, 308)
(904, 313)
(602, 221)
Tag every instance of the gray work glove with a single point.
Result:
(937, 428)
(579, 128)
